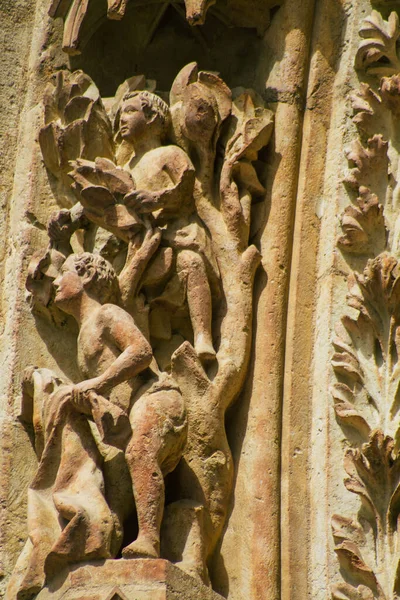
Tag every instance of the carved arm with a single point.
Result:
(136, 262)
(170, 199)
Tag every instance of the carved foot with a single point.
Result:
(142, 548)
(204, 349)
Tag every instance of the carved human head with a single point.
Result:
(85, 273)
(143, 113)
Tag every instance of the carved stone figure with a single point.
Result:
(162, 183)
(168, 198)
(111, 352)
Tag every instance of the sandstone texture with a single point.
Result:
(199, 330)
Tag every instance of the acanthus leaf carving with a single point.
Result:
(366, 363)
(377, 53)
(374, 475)
(367, 160)
(363, 225)
(374, 167)
(370, 355)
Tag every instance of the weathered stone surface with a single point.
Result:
(201, 395)
(152, 175)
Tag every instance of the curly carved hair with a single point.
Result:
(152, 105)
(103, 281)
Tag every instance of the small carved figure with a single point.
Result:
(162, 180)
(165, 178)
(111, 353)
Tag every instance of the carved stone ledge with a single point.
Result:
(140, 579)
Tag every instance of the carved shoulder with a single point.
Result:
(110, 315)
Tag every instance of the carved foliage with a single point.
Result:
(366, 362)
(363, 225)
(366, 359)
(374, 167)
(373, 474)
(378, 52)
(76, 124)
(367, 346)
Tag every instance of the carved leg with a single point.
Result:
(158, 438)
(199, 301)
(147, 480)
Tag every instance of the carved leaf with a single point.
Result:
(367, 161)
(372, 357)
(352, 561)
(345, 361)
(345, 410)
(390, 94)
(367, 106)
(349, 538)
(76, 126)
(377, 53)
(379, 111)
(344, 528)
(363, 225)
(374, 474)
(250, 126)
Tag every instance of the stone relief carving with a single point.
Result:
(366, 359)
(378, 53)
(236, 13)
(151, 255)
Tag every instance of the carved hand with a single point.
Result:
(80, 394)
(60, 227)
(143, 201)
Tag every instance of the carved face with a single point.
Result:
(68, 285)
(132, 120)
